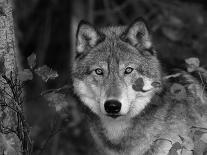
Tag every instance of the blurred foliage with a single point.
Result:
(178, 27)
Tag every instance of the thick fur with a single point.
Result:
(150, 117)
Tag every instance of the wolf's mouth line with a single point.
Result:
(113, 115)
(144, 91)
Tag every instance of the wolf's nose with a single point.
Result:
(112, 107)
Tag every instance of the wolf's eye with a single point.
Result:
(128, 70)
(99, 71)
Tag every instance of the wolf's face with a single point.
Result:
(116, 71)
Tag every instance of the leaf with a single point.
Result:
(25, 75)
(182, 138)
(172, 151)
(199, 139)
(177, 146)
(199, 147)
(172, 34)
(175, 21)
(192, 64)
(193, 61)
(57, 100)
(31, 60)
(46, 73)
(172, 76)
(186, 152)
(197, 135)
(178, 91)
(204, 138)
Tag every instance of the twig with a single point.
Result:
(163, 140)
(22, 130)
(9, 130)
(12, 108)
(195, 127)
(55, 90)
(172, 76)
(51, 135)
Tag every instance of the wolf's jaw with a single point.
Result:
(115, 130)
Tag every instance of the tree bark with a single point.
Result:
(9, 141)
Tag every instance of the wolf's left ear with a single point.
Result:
(138, 35)
(86, 37)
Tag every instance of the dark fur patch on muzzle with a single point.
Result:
(138, 85)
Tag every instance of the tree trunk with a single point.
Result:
(11, 110)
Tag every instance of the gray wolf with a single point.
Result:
(119, 80)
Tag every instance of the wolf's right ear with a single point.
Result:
(87, 37)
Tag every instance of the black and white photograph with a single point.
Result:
(103, 77)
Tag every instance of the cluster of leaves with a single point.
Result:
(179, 92)
(199, 137)
(44, 72)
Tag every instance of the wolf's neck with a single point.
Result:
(110, 135)
(115, 130)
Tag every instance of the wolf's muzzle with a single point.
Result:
(112, 107)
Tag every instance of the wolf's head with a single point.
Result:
(116, 71)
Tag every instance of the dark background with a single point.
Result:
(47, 28)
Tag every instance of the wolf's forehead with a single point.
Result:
(114, 51)
(113, 31)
